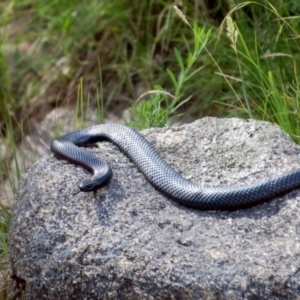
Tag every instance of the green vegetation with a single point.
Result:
(162, 64)
(158, 110)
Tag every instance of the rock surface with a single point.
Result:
(128, 241)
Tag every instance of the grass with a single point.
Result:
(163, 64)
(269, 95)
(158, 110)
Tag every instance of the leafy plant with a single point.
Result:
(158, 110)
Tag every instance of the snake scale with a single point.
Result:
(159, 173)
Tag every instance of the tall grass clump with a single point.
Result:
(263, 83)
(10, 174)
(267, 76)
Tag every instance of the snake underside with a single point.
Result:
(160, 174)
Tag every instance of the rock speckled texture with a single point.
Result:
(128, 241)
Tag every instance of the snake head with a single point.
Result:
(88, 186)
(98, 181)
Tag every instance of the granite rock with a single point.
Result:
(128, 241)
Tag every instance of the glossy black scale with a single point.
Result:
(159, 173)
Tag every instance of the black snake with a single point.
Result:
(159, 173)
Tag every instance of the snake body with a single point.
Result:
(159, 173)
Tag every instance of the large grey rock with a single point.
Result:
(128, 241)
